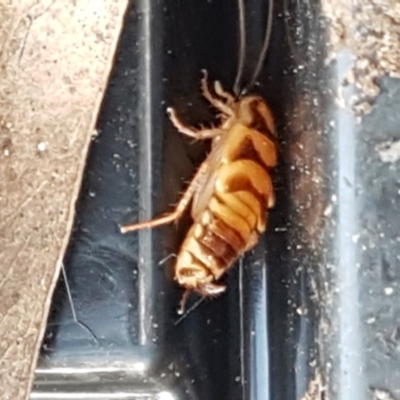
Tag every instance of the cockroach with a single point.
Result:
(231, 190)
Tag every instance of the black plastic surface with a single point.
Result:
(309, 300)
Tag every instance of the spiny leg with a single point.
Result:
(191, 132)
(206, 290)
(179, 209)
(223, 93)
(182, 303)
(210, 289)
(218, 104)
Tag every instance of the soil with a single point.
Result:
(370, 30)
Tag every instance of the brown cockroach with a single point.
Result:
(230, 192)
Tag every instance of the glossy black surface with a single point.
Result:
(310, 300)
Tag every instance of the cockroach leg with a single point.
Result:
(182, 303)
(200, 134)
(210, 289)
(223, 93)
(218, 104)
(179, 210)
(179, 125)
(210, 133)
(206, 290)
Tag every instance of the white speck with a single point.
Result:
(42, 146)
(6, 152)
(328, 210)
(139, 366)
(371, 320)
(237, 378)
(334, 198)
(355, 238)
(165, 396)
(388, 291)
(389, 152)
(380, 394)
(301, 311)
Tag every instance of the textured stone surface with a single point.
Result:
(54, 64)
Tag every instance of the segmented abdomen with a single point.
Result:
(235, 214)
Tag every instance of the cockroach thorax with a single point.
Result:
(253, 112)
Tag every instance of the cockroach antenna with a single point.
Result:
(265, 45)
(183, 314)
(74, 316)
(242, 48)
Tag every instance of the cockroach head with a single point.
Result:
(253, 112)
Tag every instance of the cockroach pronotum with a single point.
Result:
(231, 190)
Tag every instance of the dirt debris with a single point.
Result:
(389, 152)
(381, 394)
(370, 30)
(316, 389)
